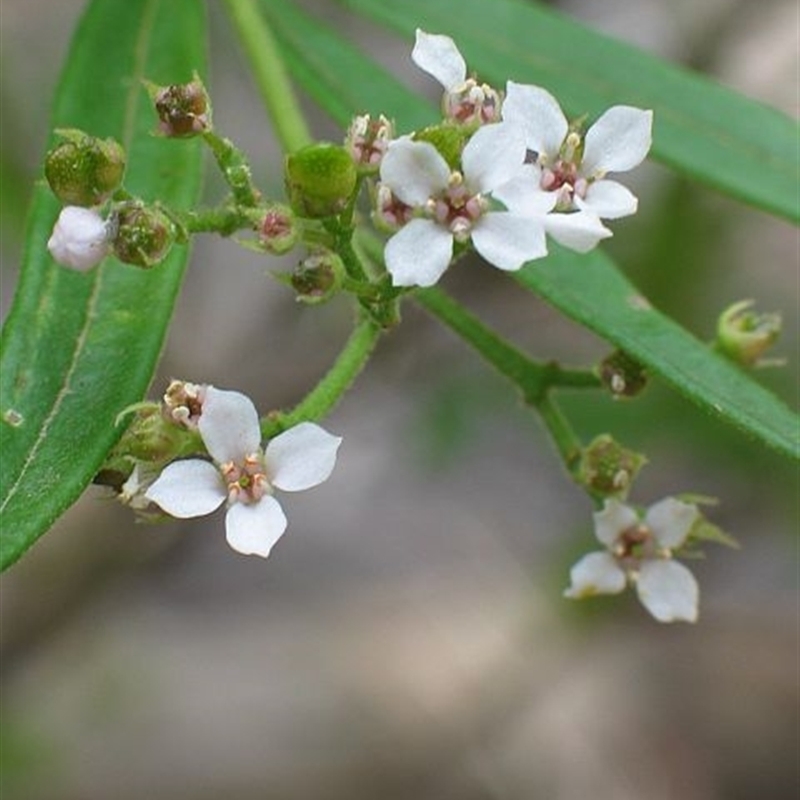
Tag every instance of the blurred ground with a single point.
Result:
(407, 638)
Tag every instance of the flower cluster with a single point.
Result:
(524, 173)
(239, 470)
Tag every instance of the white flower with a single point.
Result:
(80, 238)
(640, 551)
(465, 100)
(574, 167)
(299, 458)
(456, 206)
(578, 230)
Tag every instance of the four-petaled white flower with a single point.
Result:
(574, 167)
(456, 205)
(244, 474)
(640, 551)
(465, 100)
(80, 238)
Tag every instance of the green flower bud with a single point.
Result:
(277, 229)
(449, 140)
(744, 335)
(184, 109)
(318, 277)
(83, 170)
(143, 234)
(607, 468)
(622, 375)
(154, 437)
(320, 179)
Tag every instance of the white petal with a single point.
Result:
(418, 253)
(524, 193)
(618, 141)
(252, 529)
(614, 519)
(608, 200)
(414, 171)
(668, 591)
(670, 520)
(595, 573)
(439, 56)
(229, 425)
(579, 230)
(79, 239)
(188, 489)
(302, 457)
(493, 156)
(541, 116)
(508, 240)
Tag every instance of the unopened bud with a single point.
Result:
(744, 335)
(153, 437)
(184, 109)
(449, 140)
(320, 180)
(622, 375)
(607, 468)
(367, 140)
(143, 234)
(83, 170)
(80, 238)
(318, 277)
(277, 229)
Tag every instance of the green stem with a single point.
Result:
(324, 396)
(533, 378)
(234, 168)
(564, 438)
(270, 74)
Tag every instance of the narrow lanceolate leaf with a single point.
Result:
(78, 348)
(592, 291)
(702, 129)
(589, 289)
(320, 62)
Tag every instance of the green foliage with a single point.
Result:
(79, 348)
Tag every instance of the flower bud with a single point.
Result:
(622, 375)
(155, 436)
(449, 140)
(367, 140)
(184, 109)
(320, 179)
(318, 277)
(607, 468)
(744, 335)
(277, 229)
(80, 238)
(143, 234)
(84, 170)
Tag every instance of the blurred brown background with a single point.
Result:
(407, 638)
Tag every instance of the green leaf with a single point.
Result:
(76, 348)
(592, 291)
(332, 71)
(702, 129)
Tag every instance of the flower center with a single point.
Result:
(562, 175)
(457, 208)
(247, 482)
(472, 103)
(637, 544)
